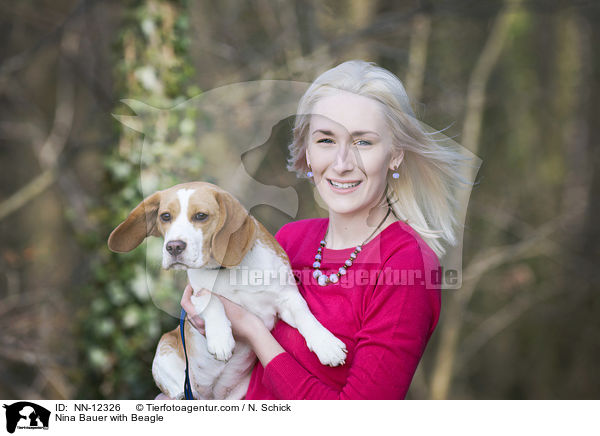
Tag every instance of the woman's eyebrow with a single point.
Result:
(364, 132)
(324, 132)
(357, 133)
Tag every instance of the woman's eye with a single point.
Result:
(165, 217)
(359, 142)
(200, 216)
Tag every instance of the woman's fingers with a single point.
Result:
(186, 302)
(198, 323)
(186, 298)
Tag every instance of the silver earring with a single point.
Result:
(309, 173)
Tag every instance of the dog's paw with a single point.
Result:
(220, 344)
(329, 349)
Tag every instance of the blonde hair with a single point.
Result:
(425, 193)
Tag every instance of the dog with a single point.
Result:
(208, 232)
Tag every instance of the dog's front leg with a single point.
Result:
(219, 337)
(294, 311)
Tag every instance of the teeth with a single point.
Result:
(343, 185)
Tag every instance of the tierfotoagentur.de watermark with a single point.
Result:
(245, 276)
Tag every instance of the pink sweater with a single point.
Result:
(384, 309)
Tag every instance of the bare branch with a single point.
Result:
(481, 74)
(535, 245)
(419, 41)
(24, 195)
(54, 377)
(505, 220)
(442, 373)
(498, 322)
(49, 151)
(22, 59)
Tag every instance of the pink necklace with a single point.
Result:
(324, 279)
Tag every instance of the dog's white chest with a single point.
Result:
(254, 284)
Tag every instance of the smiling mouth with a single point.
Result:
(344, 185)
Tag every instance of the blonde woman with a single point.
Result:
(370, 272)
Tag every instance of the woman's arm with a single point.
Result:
(394, 334)
(397, 322)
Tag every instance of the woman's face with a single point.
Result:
(350, 151)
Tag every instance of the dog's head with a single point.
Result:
(202, 225)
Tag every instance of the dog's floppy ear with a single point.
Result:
(235, 233)
(140, 223)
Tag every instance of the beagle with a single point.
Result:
(209, 233)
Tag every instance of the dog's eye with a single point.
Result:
(200, 216)
(165, 217)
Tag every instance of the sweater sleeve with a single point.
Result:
(282, 236)
(398, 321)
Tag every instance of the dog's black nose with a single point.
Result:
(175, 247)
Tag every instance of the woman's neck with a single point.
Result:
(347, 231)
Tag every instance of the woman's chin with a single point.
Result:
(342, 207)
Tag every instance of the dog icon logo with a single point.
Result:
(26, 415)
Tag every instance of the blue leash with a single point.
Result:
(187, 386)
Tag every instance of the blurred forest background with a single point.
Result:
(517, 81)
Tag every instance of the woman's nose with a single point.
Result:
(344, 159)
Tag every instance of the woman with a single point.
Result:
(373, 264)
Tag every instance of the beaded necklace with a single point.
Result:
(324, 279)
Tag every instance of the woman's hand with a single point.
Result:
(243, 322)
(186, 303)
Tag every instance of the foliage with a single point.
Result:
(120, 323)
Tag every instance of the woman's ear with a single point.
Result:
(140, 222)
(235, 233)
(397, 160)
